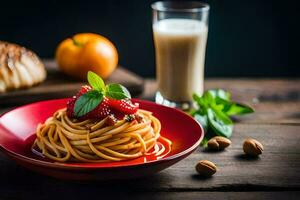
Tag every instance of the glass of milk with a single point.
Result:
(180, 35)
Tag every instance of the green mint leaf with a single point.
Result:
(219, 93)
(239, 109)
(95, 81)
(208, 97)
(219, 107)
(220, 125)
(225, 103)
(202, 103)
(196, 97)
(87, 102)
(232, 108)
(117, 91)
(214, 110)
(223, 116)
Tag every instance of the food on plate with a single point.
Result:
(19, 67)
(87, 52)
(99, 124)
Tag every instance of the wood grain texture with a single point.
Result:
(60, 192)
(58, 85)
(274, 175)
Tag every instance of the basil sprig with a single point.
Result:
(90, 100)
(87, 102)
(95, 81)
(117, 91)
(214, 111)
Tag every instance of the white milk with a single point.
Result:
(180, 54)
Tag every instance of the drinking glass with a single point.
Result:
(180, 34)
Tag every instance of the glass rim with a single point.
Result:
(180, 6)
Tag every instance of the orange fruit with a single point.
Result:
(87, 52)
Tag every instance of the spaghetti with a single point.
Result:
(64, 139)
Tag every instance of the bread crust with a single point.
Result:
(19, 67)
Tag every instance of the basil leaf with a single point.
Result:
(219, 124)
(225, 103)
(196, 97)
(219, 107)
(239, 109)
(202, 119)
(219, 93)
(87, 102)
(202, 103)
(208, 97)
(223, 116)
(95, 81)
(117, 91)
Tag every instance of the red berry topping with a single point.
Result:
(84, 89)
(123, 106)
(101, 111)
(70, 106)
(99, 100)
(71, 103)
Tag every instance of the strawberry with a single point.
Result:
(100, 101)
(84, 89)
(70, 106)
(101, 111)
(71, 103)
(123, 106)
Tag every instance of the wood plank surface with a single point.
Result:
(274, 175)
(58, 85)
(85, 191)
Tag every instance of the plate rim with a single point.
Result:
(77, 166)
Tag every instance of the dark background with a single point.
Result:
(246, 38)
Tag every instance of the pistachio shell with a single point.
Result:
(213, 144)
(218, 143)
(252, 147)
(206, 168)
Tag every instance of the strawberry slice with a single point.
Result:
(84, 89)
(101, 111)
(71, 103)
(70, 106)
(124, 106)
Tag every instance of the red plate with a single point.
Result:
(17, 132)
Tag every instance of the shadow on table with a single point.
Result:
(203, 178)
(30, 185)
(244, 157)
(208, 151)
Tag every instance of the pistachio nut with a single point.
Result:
(206, 168)
(252, 147)
(218, 143)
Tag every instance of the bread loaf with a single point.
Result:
(19, 67)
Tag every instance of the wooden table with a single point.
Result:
(274, 175)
